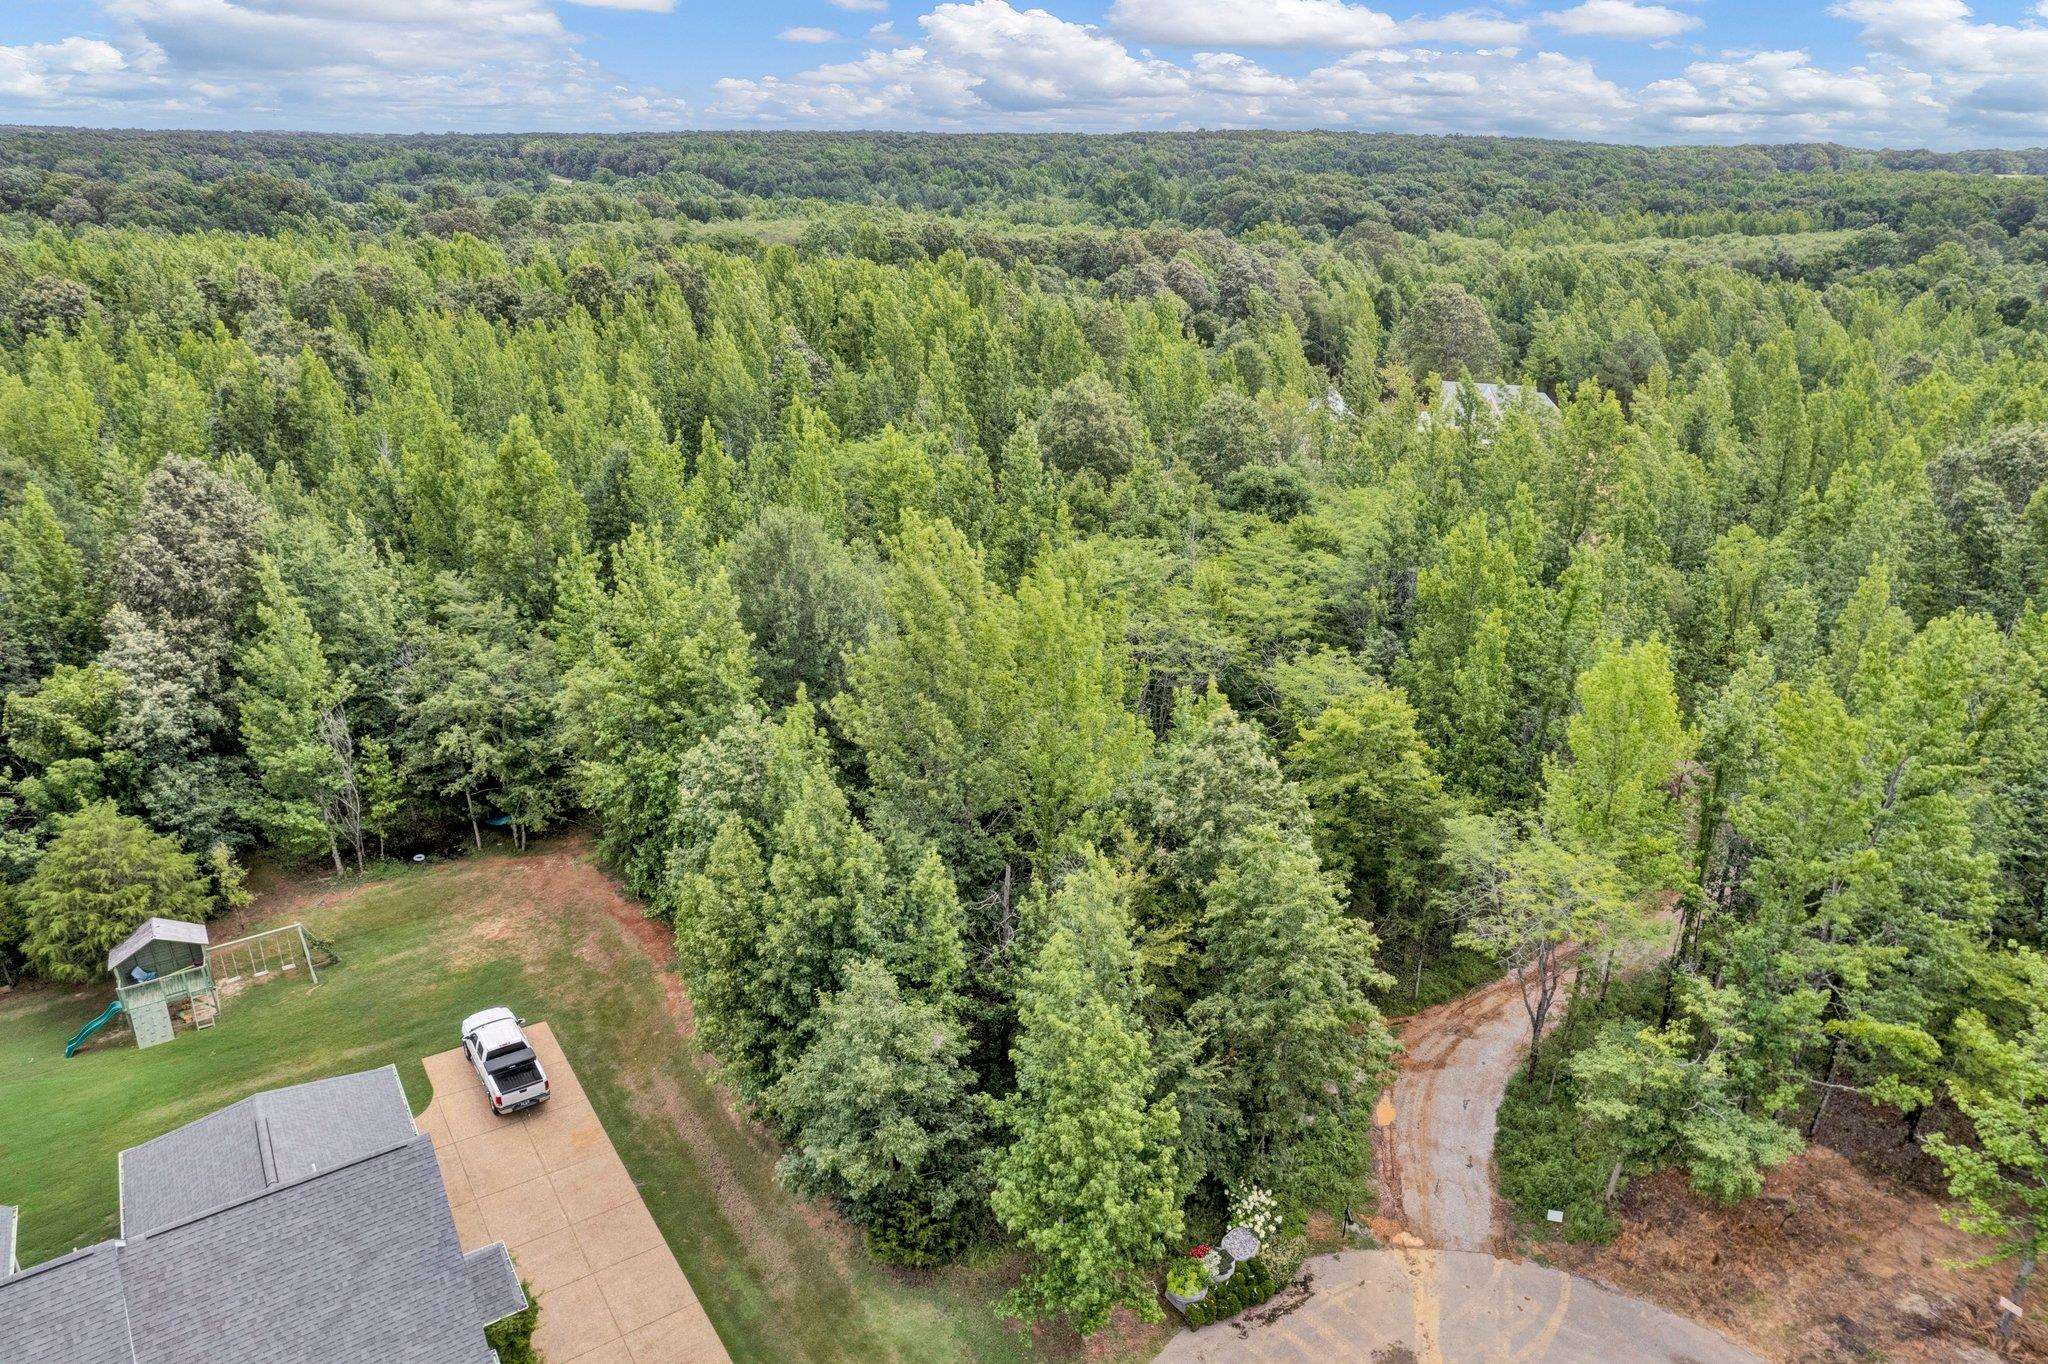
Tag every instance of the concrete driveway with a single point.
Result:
(1451, 1307)
(548, 1184)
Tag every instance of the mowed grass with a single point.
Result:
(547, 934)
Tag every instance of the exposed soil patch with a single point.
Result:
(1832, 1263)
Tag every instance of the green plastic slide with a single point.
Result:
(71, 1047)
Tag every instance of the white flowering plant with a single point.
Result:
(1257, 1211)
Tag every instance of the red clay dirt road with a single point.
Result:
(1435, 1156)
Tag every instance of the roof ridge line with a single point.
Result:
(270, 1189)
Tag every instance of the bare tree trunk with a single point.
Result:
(476, 834)
(2008, 1322)
(1613, 1183)
(1827, 1087)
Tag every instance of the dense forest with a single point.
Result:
(1051, 627)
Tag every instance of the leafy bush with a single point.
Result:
(1544, 1158)
(1185, 1278)
(1251, 1285)
(910, 1233)
(512, 1338)
(1545, 1154)
(1446, 973)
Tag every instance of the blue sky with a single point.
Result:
(1940, 73)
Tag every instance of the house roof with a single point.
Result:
(263, 1141)
(155, 930)
(1495, 396)
(71, 1309)
(356, 1262)
(494, 1283)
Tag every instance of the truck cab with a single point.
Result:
(504, 1061)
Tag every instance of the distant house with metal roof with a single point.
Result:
(306, 1223)
(1457, 403)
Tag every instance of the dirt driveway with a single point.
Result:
(1436, 1159)
(548, 1184)
(1436, 1295)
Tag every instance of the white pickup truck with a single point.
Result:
(504, 1061)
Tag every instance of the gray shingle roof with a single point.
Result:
(494, 1283)
(359, 1262)
(266, 1139)
(67, 1311)
(155, 930)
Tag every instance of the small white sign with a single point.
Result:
(2010, 1308)
(1554, 1215)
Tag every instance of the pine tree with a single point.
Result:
(721, 925)
(667, 663)
(527, 520)
(102, 874)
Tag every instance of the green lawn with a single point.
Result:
(420, 948)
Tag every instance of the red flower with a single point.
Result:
(1198, 1252)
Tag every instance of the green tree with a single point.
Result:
(806, 600)
(668, 663)
(1087, 426)
(101, 875)
(1535, 904)
(1088, 1179)
(1300, 1050)
(188, 566)
(2001, 1181)
(295, 731)
(721, 926)
(527, 520)
(49, 611)
(1626, 744)
(881, 1117)
(1446, 332)
(1379, 804)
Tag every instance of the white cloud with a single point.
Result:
(1929, 72)
(1480, 28)
(400, 64)
(1328, 25)
(1623, 19)
(1234, 23)
(1777, 95)
(1475, 91)
(1958, 78)
(53, 71)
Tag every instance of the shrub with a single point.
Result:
(1544, 1159)
(1257, 1211)
(512, 1338)
(1185, 1278)
(1546, 1156)
(1251, 1285)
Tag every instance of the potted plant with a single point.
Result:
(1187, 1283)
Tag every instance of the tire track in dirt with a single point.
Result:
(1436, 1171)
